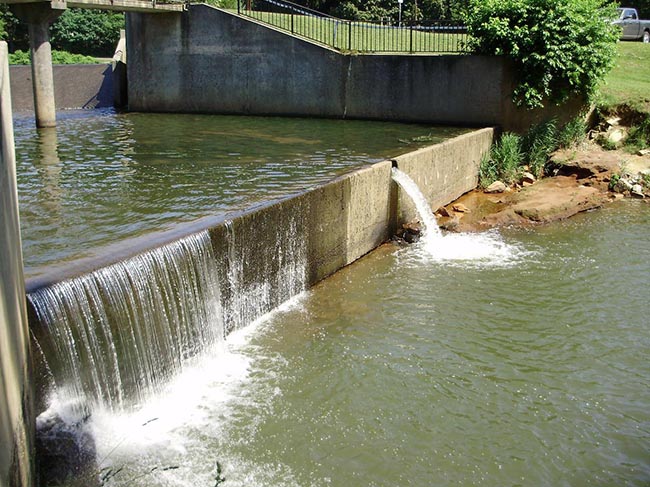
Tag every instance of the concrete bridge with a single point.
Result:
(38, 15)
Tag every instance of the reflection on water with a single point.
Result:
(101, 176)
(408, 371)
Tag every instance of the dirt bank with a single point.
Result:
(582, 182)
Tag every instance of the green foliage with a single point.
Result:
(614, 181)
(58, 57)
(504, 162)
(19, 57)
(572, 134)
(639, 136)
(559, 48)
(538, 143)
(512, 152)
(12, 30)
(388, 10)
(92, 32)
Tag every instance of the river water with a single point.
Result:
(526, 366)
(100, 176)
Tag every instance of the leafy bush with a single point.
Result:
(19, 57)
(93, 32)
(559, 48)
(58, 57)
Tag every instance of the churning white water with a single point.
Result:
(487, 248)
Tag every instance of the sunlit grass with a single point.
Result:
(361, 36)
(629, 82)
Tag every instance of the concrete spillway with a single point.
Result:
(112, 332)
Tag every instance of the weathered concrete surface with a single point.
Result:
(208, 60)
(445, 171)
(16, 416)
(38, 17)
(336, 223)
(75, 86)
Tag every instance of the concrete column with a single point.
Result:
(38, 17)
(16, 409)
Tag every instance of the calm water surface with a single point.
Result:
(527, 369)
(101, 177)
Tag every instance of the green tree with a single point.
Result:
(559, 48)
(90, 32)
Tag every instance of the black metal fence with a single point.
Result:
(434, 36)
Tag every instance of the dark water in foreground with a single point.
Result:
(101, 177)
(528, 367)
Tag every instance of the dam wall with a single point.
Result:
(212, 61)
(75, 86)
(267, 254)
(16, 416)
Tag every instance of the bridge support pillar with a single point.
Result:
(38, 17)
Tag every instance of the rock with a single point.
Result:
(623, 185)
(442, 211)
(450, 225)
(618, 196)
(637, 191)
(613, 121)
(615, 136)
(411, 237)
(66, 452)
(496, 187)
(528, 178)
(460, 208)
(644, 152)
(412, 227)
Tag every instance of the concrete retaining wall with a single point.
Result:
(16, 416)
(208, 60)
(337, 222)
(75, 86)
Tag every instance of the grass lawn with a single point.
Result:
(629, 82)
(362, 36)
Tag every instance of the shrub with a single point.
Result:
(92, 32)
(639, 136)
(573, 133)
(540, 141)
(504, 161)
(559, 48)
(58, 57)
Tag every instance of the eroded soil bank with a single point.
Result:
(584, 179)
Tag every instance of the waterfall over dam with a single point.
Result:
(113, 335)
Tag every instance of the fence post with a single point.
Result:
(292, 21)
(349, 35)
(411, 38)
(238, 7)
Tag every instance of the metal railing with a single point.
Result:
(433, 36)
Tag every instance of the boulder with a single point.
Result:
(460, 208)
(637, 191)
(496, 187)
(528, 178)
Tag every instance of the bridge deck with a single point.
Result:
(121, 5)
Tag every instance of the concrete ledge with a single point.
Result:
(75, 86)
(444, 171)
(272, 252)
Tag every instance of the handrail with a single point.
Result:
(433, 36)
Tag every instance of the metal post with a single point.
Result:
(349, 35)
